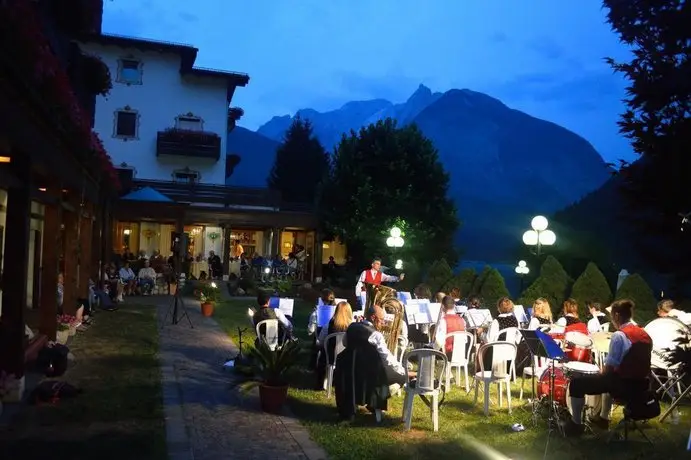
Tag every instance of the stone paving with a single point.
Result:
(206, 417)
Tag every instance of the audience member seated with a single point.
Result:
(625, 375)
(112, 281)
(266, 312)
(598, 317)
(215, 265)
(128, 279)
(147, 278)
(450, 322)
(157, 261)
(542, 314)
(666, 308)
(342, 318)
(570, 321)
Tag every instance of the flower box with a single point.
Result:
(62, 336)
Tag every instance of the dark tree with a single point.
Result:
(301, 164)
(657, 121)
(384, 176)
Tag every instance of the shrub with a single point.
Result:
(591, 286)
(553, 284)
(463, 282)
(493, 288)
(413, 277)
(438, 275)
(635, 288)
(479, 281)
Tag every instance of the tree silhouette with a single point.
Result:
(385, 175)
(657, 121)
(301, 164)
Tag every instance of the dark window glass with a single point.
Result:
(127, 124)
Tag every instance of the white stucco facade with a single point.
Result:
(163, 95)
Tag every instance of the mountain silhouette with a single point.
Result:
(505, 165)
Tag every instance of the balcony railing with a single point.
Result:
(196, 144)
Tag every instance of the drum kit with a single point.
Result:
(575, 360)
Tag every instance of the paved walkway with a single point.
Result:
(206, 418)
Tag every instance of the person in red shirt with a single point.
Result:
(626, 371)
(449, 322)
(374, 276)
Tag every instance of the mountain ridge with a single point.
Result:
(505, 165)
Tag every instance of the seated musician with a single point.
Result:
(474, 302)
(327, 297)
(570, 321)
(422, 291)
(266, 312)
(542, 314)
(342, 318)
(598, 317)
(368, 331)
(625, 374)
(666, 308)
(449, 322)
(506, 318)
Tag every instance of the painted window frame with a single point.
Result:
(121, 67)
(116, 115)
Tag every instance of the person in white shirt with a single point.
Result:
(147, 278)
(374, 276)
(395, 372)
(665, 308)
(127, 278)
(598, 317)
(542, 314)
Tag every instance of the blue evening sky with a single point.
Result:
(543, 57)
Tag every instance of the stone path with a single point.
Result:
(206, 418)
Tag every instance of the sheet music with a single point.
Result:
(421, 318)
(461, 309)
(404, 297)
(433, 311)
(274, 302)
(324, 314)
(337, 301)
(286, 306)
(476, 317)
(519, 313)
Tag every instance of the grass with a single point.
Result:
(364, 439)
(120, 412)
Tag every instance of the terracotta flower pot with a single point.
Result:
(272, 398)
(207, 309)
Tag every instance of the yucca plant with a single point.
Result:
(271, 366)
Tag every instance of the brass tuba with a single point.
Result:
(385, 297)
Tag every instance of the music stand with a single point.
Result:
(544, 346)
(175, 304)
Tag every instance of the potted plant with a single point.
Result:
(63, 333)
(208, 296)
(269, 369)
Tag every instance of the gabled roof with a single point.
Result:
(188, 55)
(147, 194)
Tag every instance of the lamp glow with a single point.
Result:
(539, 223)
(521, 263)
(547, 238)
(389, 241)
(127, 231)
(213, 285)
(395, 232)
(267, 270)
(530, 238)
(399, 264)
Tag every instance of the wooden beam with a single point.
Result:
(48, 305)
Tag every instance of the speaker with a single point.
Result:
(184, 244)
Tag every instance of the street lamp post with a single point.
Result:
(394, 241)
(522, 270)
(539, 235)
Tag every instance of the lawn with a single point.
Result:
(364, 439)
(120, 412)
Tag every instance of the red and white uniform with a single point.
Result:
(372, 277)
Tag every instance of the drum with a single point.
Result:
(580, 369)
(561, 383)
(578, 347)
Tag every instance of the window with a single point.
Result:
(189, 122)
(129, 71)
(126, 124)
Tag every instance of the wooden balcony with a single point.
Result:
(195, 144)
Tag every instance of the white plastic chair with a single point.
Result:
(331, 366)
(463, 343)
(503, 362)
(510, 335)
(270, 334)
(401, 348)
(428, 383)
